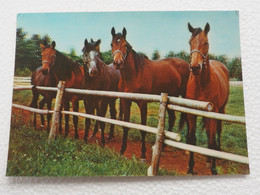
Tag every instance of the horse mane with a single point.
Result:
(67, 66)
(138, 58)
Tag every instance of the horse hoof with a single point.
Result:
(110, 137)
(214, 172)
(190, 172)
(143, 160)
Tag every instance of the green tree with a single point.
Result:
(170, 54)
(20, 34)
(155, 55)
(107, 57)
(235, 68)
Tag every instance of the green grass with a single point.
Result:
(233, 138)
(31, 155)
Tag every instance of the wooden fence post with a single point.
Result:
(57, 109)
(157, 148)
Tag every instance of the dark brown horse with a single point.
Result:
(64, 69)
(141, 75)
(99, 76)
(208, 81)
(39, 79)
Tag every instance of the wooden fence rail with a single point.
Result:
(134, 96)
(194, 107)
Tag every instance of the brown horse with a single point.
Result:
(208, 81)
(64, 69)
(39, 79)
(99, 76)
(141, 75)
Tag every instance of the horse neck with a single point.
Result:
(130, 71)
(204, 77)
(98, 81)
(62, 67)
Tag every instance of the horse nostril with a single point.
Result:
(94, 72)
(45, 71)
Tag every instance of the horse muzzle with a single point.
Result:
(195, 69)
(45, 71)
(94, 73)
(118, 66)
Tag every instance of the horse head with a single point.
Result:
(48, 53)
(91, 53)
(199, 48)
(119, 48)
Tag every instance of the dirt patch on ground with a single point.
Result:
(171, 159)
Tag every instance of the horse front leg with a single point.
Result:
(34, 103)
(102, 113)
(112, 109)
(211, 132)
(125, 104)
(66, 108)
(143, 108)
(41, 105)
(219, 128)
(75, 105)
(172, 117)
(191, 139)
(89, 110)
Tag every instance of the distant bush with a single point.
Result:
(26, 72)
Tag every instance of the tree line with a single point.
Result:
(28, 55)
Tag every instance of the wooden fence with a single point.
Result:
(162, 136)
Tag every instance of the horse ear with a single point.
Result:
(91, 40)
(53, 44)
(113, 32)
(98, 42)
(86, 42)
(207, 28)
(124, 32)
(191, 29)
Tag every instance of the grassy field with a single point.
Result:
(31, 155)
(233, 140)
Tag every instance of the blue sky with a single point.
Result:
(146, 31)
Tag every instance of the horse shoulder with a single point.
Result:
(219, 82)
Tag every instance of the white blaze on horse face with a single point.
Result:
(92, 64)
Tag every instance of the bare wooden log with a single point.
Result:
(208, 152)
(57, 109)
(146, 97)
(157, 148)
(208, 106)
(134, 96)
(17, 88)
(213, 115)
(174, 136)
(30, 109)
